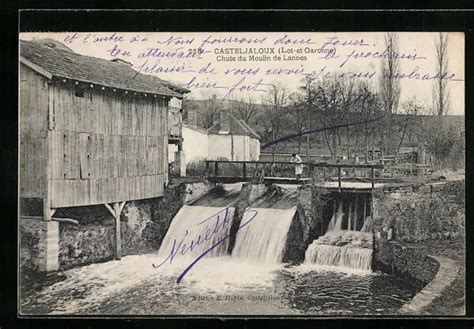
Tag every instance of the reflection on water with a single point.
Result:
(218, 285)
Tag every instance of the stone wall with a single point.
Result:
(414, 213)
(306, 225)
(144, 224)
(407, 262)
(38, 244)
(420, 212)
(296, 243)
(93, 240)
(85, 244)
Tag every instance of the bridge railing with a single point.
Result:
(258, 170)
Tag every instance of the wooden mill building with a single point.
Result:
(92, 131)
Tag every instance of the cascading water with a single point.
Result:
(336, 220)
(264, 240)
(368, 225)
(135, 287)
(343, 248)
(198, 228)
(339, 218)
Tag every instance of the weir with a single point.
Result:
(348, 242)
(344, 250)
(265, 239)
(215, 217)
(262, 241)
(198, 228)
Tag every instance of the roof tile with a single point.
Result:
(67, 64)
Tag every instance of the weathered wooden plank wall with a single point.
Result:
(107, 147)
(103, 147)
(33, 133)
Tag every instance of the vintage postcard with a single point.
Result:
(253, 173)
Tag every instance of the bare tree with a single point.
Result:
(210, 111)
(277, 99)
(296, 113)
(309, 99)
(368, 107)
(441, 93)
(389, 86)
(303, 108)
(337, 101)
(189, 110)
(246, 110)
(407, 122)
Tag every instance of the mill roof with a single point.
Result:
(54, 59)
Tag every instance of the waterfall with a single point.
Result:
(368, 225)
(335, 224)
(355, 213)
(264, 239)
(342, 250)
(339, 218)
(349, 218)
(345, 257)
(332, 222)
(198, 227)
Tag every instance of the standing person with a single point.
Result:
(295, 158)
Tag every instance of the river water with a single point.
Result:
(218, 285)
(194, 274)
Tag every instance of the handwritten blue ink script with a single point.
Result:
(241, 65)
(213, 233)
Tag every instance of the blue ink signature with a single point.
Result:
(219, 226)
(308, 132)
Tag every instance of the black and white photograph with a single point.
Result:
(241, 174)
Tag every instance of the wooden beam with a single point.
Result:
(47, 211)
(118, 236)
(365, 208)
(339, 178)
(372, 174)
(122, 204)
(36, 68)
(315, 164)
(355, 212)
(109, 208)
(118, 207)
(66, 220)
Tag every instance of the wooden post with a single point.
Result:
(372, 174)
(216, 168)
(48, 212)
(244, 169)
(118, 235)
(207, 167)
(339, 177)
(355, 212)
(116, 212)
(365, 207)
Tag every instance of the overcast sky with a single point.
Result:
(229, 77)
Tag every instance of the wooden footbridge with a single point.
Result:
(355, 176)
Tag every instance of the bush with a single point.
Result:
(196, 168)
(229, 169)
(446, 144)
